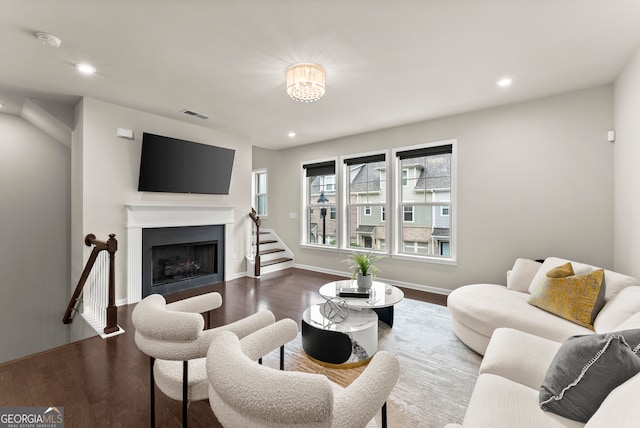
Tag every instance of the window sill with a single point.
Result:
(319, 247)
(427, 259)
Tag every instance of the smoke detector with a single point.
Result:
(48, 39)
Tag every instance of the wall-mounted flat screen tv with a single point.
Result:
(179, 166)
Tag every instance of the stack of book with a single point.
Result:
(353, 292)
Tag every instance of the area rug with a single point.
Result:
(437, 371)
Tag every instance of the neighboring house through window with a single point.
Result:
(425, 200)
(321, 214)
(421, 190)
(366, 193)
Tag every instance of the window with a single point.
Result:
(320, 200)
(259, 187)
(346, 207)
(444, 249)
(424, 200)
(329, 183)
(408, 213)
(366, 194)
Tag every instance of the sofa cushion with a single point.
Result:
(620, 409)
(619, 309)
(630, 323)
(586, 369)
(553, 262)
(518, 356)
(577, 298)
(500, 402)
(520, 276)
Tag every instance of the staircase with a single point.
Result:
(268, 251)
(274, 255)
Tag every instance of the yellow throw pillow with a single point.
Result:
(577, 298)
(561, 271)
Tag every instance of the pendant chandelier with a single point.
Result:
(305, 82)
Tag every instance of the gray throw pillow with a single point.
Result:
(586, 369)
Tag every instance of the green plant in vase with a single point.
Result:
(364, 268)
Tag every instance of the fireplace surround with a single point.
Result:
(152, 216)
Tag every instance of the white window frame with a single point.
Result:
(367, 210)
(392, 217)
(398, 220)
(254, 190)
(304, 208)
(348, 205)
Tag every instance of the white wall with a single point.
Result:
(34, 248)
(626, 171)
(108, 178)
(535, 180)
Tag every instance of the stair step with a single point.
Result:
(275, 250)
(275, 261)
(268, 241)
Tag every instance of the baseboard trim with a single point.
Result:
(419, 287)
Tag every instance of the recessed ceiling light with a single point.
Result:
(505, 82)
(85, 68)
(291, 134)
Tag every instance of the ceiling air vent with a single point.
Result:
(194, 114)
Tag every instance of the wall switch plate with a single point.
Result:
(293, 216)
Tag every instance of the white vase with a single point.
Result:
(365, 281)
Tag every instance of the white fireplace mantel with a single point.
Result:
(144, 216)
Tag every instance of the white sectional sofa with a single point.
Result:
(506, 393)
(519, 343)
(478, 309)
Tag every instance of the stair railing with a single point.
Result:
(257, 222)
(111, 246)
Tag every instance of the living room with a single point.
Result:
(535, 178)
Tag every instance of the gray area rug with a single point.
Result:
(437, 371)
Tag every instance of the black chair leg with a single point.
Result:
(153, 392)
(185, 391)
(282, 357)
(384, 415)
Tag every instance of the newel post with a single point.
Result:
(112, 310)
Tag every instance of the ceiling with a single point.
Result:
(388, 62)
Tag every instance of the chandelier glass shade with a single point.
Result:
(305, 82)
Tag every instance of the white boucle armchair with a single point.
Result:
(244, 394)
(172, 336)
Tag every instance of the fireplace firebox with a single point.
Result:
(180, 258)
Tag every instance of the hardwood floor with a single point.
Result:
(106, 382)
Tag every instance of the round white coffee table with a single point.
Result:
(381, 298)
(341, 343)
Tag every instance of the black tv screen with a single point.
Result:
(179, 166)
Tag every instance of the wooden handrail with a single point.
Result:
(256, 220)
(112, 313)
